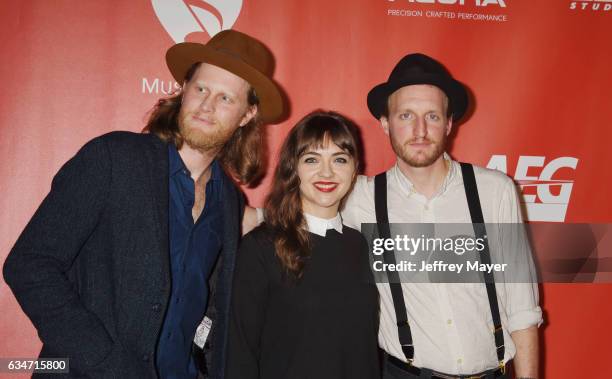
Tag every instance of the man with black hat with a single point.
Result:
(443, 330)
(136, 240)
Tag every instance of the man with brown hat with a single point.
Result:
(442, 330)
(136, 240)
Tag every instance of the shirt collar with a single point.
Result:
(320, 226)
(176, 164)
(408, 186)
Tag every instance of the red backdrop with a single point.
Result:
(539, 72)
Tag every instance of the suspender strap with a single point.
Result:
(471, 191)
(395, 285)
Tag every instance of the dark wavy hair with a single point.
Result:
(242, 156)
(283, 205)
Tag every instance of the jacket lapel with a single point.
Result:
(158, 175)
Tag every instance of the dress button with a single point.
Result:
(156, 307)
(145, 358)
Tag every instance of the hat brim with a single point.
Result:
(182, 56)
(454, 90)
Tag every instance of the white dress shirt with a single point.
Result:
(451, 323)
(320, 226)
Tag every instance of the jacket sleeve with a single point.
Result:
(36, 268)
(247, 313)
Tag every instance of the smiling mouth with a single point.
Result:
(326, 186)
(204, 120)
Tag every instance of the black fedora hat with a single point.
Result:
(419, 69)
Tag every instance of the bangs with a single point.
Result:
(319, 131)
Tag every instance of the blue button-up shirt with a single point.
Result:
(194, 248)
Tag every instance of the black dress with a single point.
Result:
(324, 326)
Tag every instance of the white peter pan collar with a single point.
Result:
(320, 226)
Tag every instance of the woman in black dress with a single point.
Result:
(304, 302)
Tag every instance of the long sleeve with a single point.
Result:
(247, 314)
(36, 268)
(521, 288)
(359, 207)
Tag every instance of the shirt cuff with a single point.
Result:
(525, 319)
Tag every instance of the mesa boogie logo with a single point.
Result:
(181, 18)
(478, 3)
(454, 10)
(546, 197)
(591, 5)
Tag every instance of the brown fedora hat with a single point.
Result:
(239, 54)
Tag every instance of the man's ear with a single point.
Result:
(249, 115)
(181, 91)
(384, 124)
(449, 126)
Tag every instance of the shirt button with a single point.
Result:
(449, 321)
(156, 307)
(145, 358)
(460, 361)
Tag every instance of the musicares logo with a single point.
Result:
(545, 198)
(186, 21)
(181, 18)
(591, 5)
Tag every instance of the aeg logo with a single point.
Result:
(478, 3)
(183, 17)
(591, 5)
(546, 198)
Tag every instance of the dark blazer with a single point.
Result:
(91, 269)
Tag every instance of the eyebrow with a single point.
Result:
(225, 91)
(404, 110)
(318, 154)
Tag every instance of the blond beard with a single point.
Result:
(211, 140)
(420, 160)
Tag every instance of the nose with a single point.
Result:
(420, 127)
(326, 170)
(207, 104)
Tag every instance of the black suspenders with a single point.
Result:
(382, 220)
(471, 191)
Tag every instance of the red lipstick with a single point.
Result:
(325, 186)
